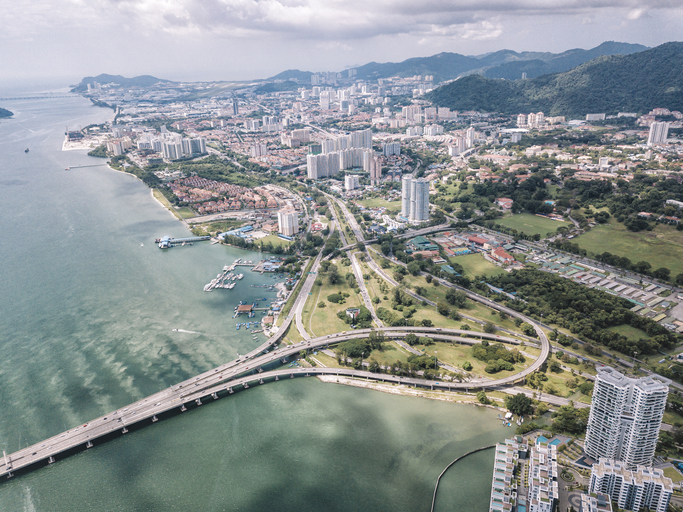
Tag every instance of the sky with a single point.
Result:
(193, 40)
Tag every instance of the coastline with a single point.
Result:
(397, 389)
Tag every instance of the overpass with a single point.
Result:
(240, 374)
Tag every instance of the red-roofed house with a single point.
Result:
(504, 203)
(501, 256)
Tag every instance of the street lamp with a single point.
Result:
(635, 353)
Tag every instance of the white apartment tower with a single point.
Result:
(543, 488)
(658, 133)
(632, 490)
(405, 196)
(625, 417)
(351, 182)
(419, 200)
(288, 222)
(375, 170)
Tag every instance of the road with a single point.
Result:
(239, 372)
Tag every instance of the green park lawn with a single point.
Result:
(275, 240)
(476, 265)
(661, 247)
(377, 202)
(673, 473)
(320, 321)
(455, 355)
(185, 212)
(531, 224)
(632, 333)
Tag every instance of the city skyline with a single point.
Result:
(226, 40)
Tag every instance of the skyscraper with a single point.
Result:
(375, 170)
(405, 196)
(419, 200)
(625, 417)
(658, 133)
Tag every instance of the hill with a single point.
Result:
(637, 82)
(293, 74)
(536, 64)
(501, 64)
(5, 113)
(138, 81)
(270, 87)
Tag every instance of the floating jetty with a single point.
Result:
(167, 242)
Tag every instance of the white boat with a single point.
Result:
(240, 276)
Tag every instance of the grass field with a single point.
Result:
(319, 321)
(632, 333)
(660, 247)
(476, 265)
(275, 240)
(185, 212)
(531, 224)
(376, 202)
(673, 473)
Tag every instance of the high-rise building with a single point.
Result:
(375, 170)
(419, 200)
(351, 182)
(658, 133)
(632, 490)
(625, 417)
(288, 221)
(543, 488)
(405, 195)
(521, 120)
(235, 107)
(391, 148)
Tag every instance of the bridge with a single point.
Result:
(240, 374)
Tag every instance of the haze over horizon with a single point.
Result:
(246, 39)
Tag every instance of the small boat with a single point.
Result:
(142, 245)
(26, 150)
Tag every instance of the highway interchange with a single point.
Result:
(255, 368)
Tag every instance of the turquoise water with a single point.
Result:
(86, 326)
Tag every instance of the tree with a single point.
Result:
(467, 366)
(360, 246)
(483, 399)
(662, 273)
(426, 322)
(411, 339)
(519, 404)
(489, 328)
(456, 298)
(321, 304)
(443, 308)
(555, 367)
(414, 268)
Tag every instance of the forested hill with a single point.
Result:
(501, 64)
(5, 113)
(618, 83)
(138, 81)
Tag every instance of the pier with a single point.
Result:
(168, 242)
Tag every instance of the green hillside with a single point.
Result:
(501, 64)
(138, 81)
(618, 83)
(5, 113)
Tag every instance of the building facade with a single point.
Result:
(659, 132)
(288, 222)
(632, 490)
(543, 489)
(625, 417)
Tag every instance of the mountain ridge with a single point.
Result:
(635, 82)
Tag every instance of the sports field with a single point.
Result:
(476, 265)
(531, 224)
(661, 247)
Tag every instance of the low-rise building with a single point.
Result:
(543, 489)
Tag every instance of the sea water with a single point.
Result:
(88, 308)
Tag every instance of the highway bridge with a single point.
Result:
(239, 374)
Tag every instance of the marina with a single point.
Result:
(167, 242)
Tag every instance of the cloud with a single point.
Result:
(328, 20)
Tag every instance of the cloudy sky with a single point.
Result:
(244, 39)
